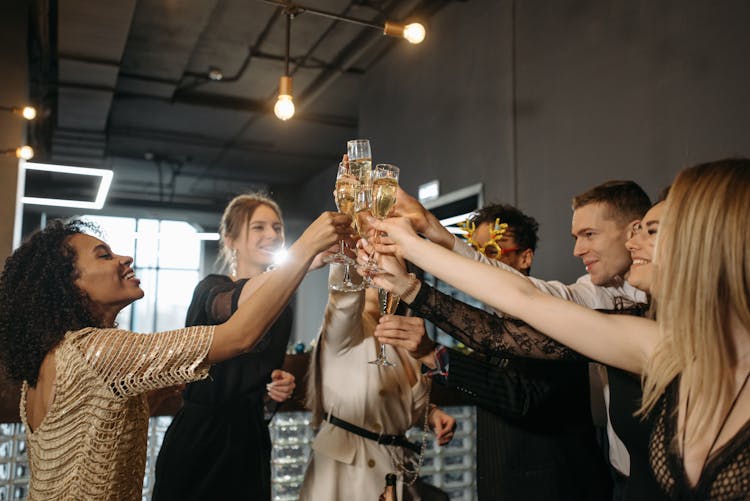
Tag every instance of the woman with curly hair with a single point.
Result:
(84, 382)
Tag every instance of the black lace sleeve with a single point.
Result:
(214, 300)
(486, 332)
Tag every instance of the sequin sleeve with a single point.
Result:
(131, 363)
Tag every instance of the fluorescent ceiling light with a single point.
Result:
(101, 196)
(450, 221)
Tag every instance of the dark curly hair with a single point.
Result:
(39, 301)
(524, 227)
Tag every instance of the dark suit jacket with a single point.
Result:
(535, 439)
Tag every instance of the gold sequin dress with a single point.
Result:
(91, 444)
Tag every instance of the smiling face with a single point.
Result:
(511, 255)
(105, 277)
(641, 246)
(600, 242)
(258, 242)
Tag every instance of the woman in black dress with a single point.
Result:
(218, 445)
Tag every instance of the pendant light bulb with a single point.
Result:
(28, 112)
(284, 107)
(25, 152)
(414, 33)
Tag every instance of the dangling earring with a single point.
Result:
(233, 264)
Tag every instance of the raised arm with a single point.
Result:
(486, 332)
(480, 330)
(624, 342)
(342, 321)
(253, 317)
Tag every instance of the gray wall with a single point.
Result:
(301, 205)
(616, 89)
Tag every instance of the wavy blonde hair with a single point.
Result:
(703, 277)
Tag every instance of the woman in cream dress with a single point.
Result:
(388, 400)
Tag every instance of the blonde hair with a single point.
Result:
(237, 214)
(703, 263)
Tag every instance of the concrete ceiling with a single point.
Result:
(124, 85)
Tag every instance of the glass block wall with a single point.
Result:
(14, 466)
(450, 467)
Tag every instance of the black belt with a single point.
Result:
(399, 440)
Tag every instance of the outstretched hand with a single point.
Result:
(325, 231)
(318, 261)
(407, 333)
(399, 233)
(409, 208)
(394, 277)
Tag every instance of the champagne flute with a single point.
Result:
(384, 188)
(360, 157)
(388, 304)
(346, 186)
(363, 210)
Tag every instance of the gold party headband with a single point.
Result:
(496, 233)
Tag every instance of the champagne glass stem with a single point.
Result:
(388, 304)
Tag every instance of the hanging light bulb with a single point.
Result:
(28, 112)
(25, 152)
(414, 33)
(284, 108)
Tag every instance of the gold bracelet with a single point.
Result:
(413, 284)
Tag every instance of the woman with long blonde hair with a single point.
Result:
(695, 361)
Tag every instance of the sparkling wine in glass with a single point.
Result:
(360, 157)
(346, 187)
(384, 187)
(347, 184)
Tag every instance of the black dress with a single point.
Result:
(218, 445)
(726, 474)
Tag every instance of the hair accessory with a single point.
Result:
(496, 233)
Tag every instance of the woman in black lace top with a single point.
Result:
(695, 361)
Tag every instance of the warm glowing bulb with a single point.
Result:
(25, 152)
(284, 108)
(28, 112)
(414, 33)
